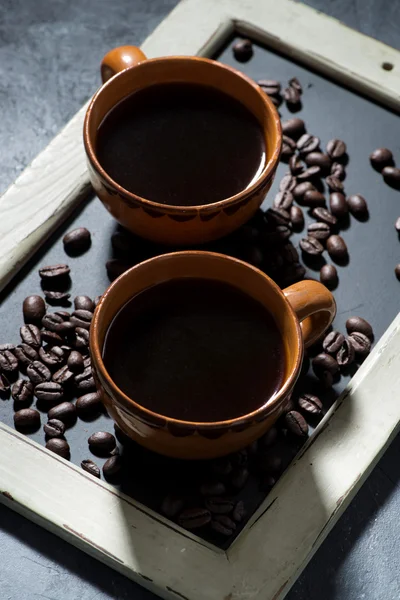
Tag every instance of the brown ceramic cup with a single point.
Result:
(302, 312)
(126, 70)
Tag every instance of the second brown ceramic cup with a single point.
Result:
(302, 312)
(126, 70)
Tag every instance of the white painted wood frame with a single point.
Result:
(297, 515)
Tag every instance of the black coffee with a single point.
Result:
(181, 144)
(196, 350)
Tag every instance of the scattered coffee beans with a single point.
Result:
(75, 362)
(54, 272)
(27, 418)
(89, 404)
(360, 342)
(193, 518)
(332, 342)
(84, 303)
(345, 354)
(77, 241)
(357, 205)
(328, 276)
(391, 175)
(59, 446)
(320, 231)
(112, 467)
(336, 149)
(322, 214)
(297, 218)
(90, 467)
(312, 246)
(49, 392)
(380, 158)
(34, 309)
(8, 362)
(243, 50)
(336, 247)
(334, 184)
(310, 404)
(38, 372)
(102, 443)
(296, 423)
(54, 428)
(65, 412)
(338, 205)
(294, 128)
(397, 271)
(358, 324)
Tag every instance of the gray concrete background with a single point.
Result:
(49, 56)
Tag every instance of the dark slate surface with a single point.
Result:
(56, 47)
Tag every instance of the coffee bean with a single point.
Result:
(84, 303)
(336, 247)
(52, 356)
(65, 412)
(310, 404)
(51, 338)
(54, 297)
(297, 218)
(38, 372)
(357, 205)
(27, 418)
(270, 463)
(223, 525)
(87, 362)
(194, 518)
(25, 355)
(397, 224)
(338, 204)
(81, 341)
(321, 231)
(49, 392)
(287, 183)
(90, 467)
(291, 96)
(301, 189)
(312, 246)
(52, 272)
(243, 50)
(307, 143)
(33, 309)
(318, 159)
(88, 404)
(212, 488)
(77, 241)
(101, 443)
(8, 362)
(334, 184)
(332, 342)
(64, 314)
(289, 254)
(322, 214)
(309, 173)
(239, 478)
(345, 354)
(391, 175)
(283, 200)
(116, 267)
(278, 216)
(380, 158)
(82, 318)
(75, 362)
(4, 385)
(397, 271)
(338, 170)
(59, 446)
(63, 376)
(296, 423)
(324, 362)
(239, 511)
(360, 342)
(54, 428)
(336, 148)
(30, 334)
(219, 506)
(294, 128)
(295, 83)
(84, 381)
(288, 148)
(295, 165)
(270, 86)
(359, 324)
(112, 467)
(52, 322)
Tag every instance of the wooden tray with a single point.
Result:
(289, 526)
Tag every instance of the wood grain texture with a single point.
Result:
(278, 541)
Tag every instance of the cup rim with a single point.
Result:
(268, 407)
(265, 174)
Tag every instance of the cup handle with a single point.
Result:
(314, 306)
(119, 59)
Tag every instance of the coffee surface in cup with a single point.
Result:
(196, 350)
(181, 144)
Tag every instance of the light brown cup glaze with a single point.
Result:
(308, 301)
(167, 224)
